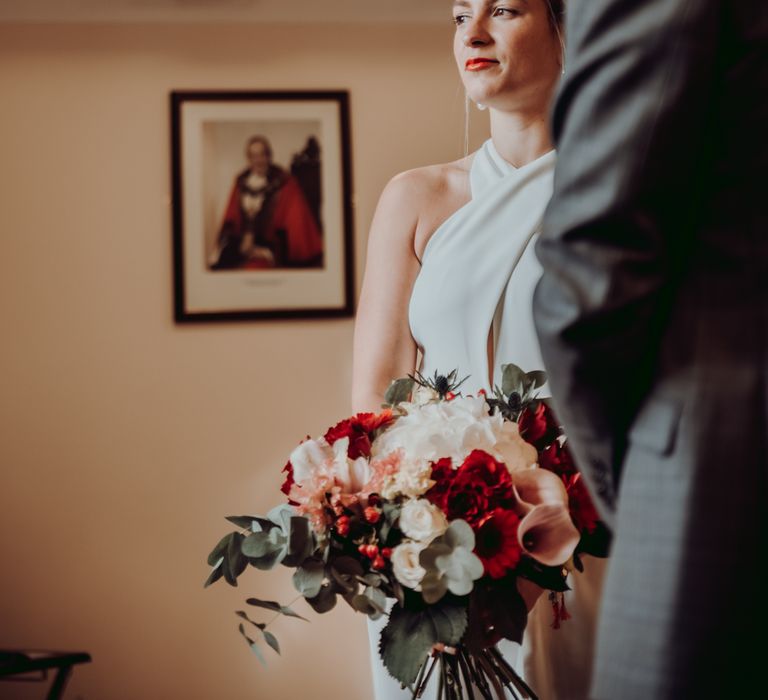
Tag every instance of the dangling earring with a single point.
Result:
(466, 124)
(562, 51)
(480, 106)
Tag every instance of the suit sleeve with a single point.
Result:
(630, 124)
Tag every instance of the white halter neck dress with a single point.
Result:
(478, 274)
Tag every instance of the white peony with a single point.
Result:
(454, 429)
(405, 564)
(422, 521)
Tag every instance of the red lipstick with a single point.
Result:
(475, 64)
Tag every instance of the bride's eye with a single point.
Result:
(506, 12)
(458, 20)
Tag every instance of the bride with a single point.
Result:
(451, 272)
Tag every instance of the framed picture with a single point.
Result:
(262, 223)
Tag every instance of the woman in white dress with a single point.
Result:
(451, 272)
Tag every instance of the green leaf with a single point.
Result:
(270, 639)
(218, 551)
(242, 614)
(399, 391)
(378, 600)
(260, 544)
(512, 379)
(410, 634)
(308, 578)
(215, 575)
(234, 562)
(534, 380)
(268, 561)
(274, 606)
(390, 512)
(345, 571)
(254, 647)
(374, 579)
(450, 621)
(324, 601)
(243, 521)
(281, 516)
(301, 542)
(404, 642)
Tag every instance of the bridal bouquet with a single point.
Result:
(441, 503)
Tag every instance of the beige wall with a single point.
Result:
(125, 439)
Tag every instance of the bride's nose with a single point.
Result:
(476, 33)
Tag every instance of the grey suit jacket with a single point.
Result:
(653, 317)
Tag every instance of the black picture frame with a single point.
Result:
(253, 237)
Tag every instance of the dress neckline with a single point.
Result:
(505, 166)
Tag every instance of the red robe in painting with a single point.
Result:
(285, 209)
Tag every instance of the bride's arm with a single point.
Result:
(383, 346)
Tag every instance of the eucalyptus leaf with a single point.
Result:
(281, 516)
(242, 614)
(433, 587)
(268, 561)
(373, 579)
(399, 391)
(218, 551)
(274, 606)
(345, 572)
(324, 601)
(215, 575)
(262, 544)
(363, 604)
(301, 542)
(254, 647)
(377, 599)
(308, 578)
(512, 379)
(270, 639)
(244, 521)
(535, 379)
(233, 563)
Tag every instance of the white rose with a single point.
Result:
(422, 521)
(405, 564)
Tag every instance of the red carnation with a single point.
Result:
(496, 542)
(442, 474)
(476, 487)
(360, 430)
(539, 427)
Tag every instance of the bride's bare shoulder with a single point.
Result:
(426, 191)
(446, 179)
